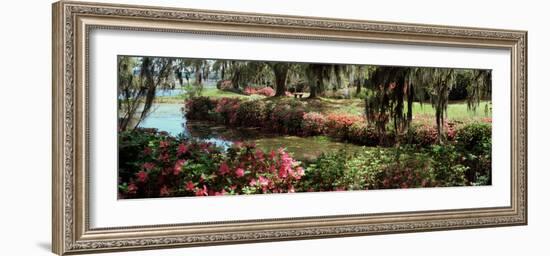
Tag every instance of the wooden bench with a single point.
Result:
(298, 94)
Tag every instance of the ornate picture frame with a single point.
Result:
(72, 23)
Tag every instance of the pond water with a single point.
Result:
(168, 92)
(169, 117)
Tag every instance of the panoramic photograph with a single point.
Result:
(213, 127)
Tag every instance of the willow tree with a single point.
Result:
(318, 75)
(479, 87)
(280, 72)
(129, 90)
(136, 92)
(197, 67)
(437, 83)
(388, 91)
(244, 72)
(221, 67)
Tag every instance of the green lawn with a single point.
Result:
(215, 93)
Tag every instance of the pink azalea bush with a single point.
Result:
(265, 91)
(252, 113)
(155, 165)
(288, 116)
(227, 108)
(338, 125)
(314, 123)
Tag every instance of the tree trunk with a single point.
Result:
(198, 76)
(313, 90)
(280, 71)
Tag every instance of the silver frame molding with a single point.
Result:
(72, 22)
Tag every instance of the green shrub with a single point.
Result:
(286, 116)
(199, 108)
(474, 143)
(325, 172)
(153, 164)
(446, 167)
(251, 113)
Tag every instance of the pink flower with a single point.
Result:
(142, 176)
(204, 146)
(252, 182)
(132, 188)
(148, 166)
(291, 189)
(164, 157)
(424, 183)
(164, 191)
(147, 151)
(386, 182)
(178, 167)
(259, 154)
(237, 144)
(239, 172)
(299, 173)
(263, 181)
(202, 191)
(221, 193)
(164, 144)
(182, 149)
(224, 169)
(190, 186)
(283, 172)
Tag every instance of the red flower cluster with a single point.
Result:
(290, 117)
(227, 108)
(170, 167)
(338, 125)
(314, 123)
(266, 91)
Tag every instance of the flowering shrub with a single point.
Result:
(313, 123)
(224, 84)
(380, 168)
(156, 165)
(250, 90)
(199, 107)
(338, 125)
(265, 91)
(289, 116)
(475, 140)
(226, 108)
(425, 134)
(363, 134)
(286, 117)
(252, 113)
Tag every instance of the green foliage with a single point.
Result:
(153, 164)
(474, 141)
(252, 113)
(378, 168)
(200, 108)
(325, 172)
(446, 166)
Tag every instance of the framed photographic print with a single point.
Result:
(179, 127)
